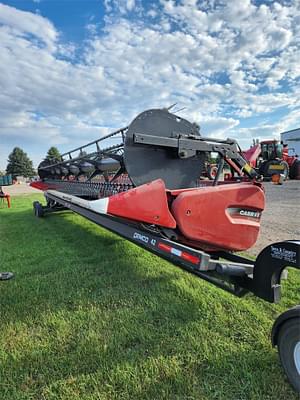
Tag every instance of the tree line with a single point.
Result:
(19, 164)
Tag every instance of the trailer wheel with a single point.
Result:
(38, 209)
(289, 350)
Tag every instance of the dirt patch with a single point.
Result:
(19, 189)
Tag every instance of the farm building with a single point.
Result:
(292, 139)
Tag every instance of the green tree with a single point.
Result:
(19, 164)
(53, 154)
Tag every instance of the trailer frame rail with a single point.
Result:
(233, 273)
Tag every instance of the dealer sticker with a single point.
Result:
(281, 253)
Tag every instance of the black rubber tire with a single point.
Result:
(288, 339)
(295, 170)
(38, 209)
(263, 168)
(286, 169)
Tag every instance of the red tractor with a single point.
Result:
(271, 157)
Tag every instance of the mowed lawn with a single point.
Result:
(92, 316)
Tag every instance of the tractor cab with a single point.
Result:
(271, 149)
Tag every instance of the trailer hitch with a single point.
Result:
(269, 265)
(262, 276)
(267, 269)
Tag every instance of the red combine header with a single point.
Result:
(143, 182)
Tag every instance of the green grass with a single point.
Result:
(91, 316)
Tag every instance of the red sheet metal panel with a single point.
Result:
(147, 203)
(226, 216)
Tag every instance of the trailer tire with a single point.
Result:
(289, 350)
(38, 209)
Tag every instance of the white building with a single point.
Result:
(292, 139)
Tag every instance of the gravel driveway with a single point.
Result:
(281, 218)
(19, 189)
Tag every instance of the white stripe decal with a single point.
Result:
(70, 198)
(176, 252)
(100, 205)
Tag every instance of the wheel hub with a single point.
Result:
(297, 357)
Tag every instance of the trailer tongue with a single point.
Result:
(147, 189)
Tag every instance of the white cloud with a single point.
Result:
(21, 23)
(123, 6)
(218, 127)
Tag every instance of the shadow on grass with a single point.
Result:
(86, 302)
(63, 258)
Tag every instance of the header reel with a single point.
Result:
(157, 144)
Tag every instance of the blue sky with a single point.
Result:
(71, 71)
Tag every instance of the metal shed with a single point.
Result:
(292, 139)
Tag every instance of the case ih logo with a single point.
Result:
(248, 213)
(241, 212)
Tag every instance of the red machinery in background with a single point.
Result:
(270, 157)
(5, 180)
